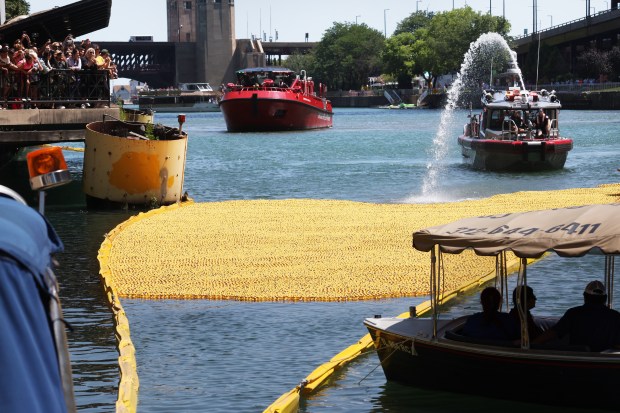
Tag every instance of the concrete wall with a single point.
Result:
(590, 100)
(186, 65)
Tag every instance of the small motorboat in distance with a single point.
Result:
(517, 130)
(187, 97)
(274, 99)
(435, 352)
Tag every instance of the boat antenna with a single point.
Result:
(537, 61)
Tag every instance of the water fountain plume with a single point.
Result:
(488, 51)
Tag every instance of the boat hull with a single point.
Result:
(561, 378)
(508, 155)
(258, 111)
(122, 171)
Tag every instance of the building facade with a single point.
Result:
(205, 33)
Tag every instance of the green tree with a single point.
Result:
(16, 8)
(414, 22)
(298, 62)
(398, 58)
(347, 55)
(439, 47)
(593, 63)
(614, 60)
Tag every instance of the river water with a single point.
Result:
(222, 356)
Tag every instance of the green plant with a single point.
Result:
(148, 132)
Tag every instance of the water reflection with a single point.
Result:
(92, 344)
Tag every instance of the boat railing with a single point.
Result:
(238, 88)
(511, 132)
(554, 132)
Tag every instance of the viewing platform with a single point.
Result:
(26, 127)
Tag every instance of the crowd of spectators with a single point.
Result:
(55, 71)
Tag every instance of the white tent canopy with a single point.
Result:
(570, 232)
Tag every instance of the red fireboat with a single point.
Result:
(274, 99)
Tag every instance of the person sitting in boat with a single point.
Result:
(543, 124)
(528, 301)
(490, 323)
(519, 125)
(592, 324)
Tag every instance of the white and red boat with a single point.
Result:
(507, 135)
(274, 99)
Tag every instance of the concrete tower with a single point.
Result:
(205, 33)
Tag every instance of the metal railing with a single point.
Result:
(569, 23)
(58, 87)
(576, 86)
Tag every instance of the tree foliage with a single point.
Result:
(16, 8)
(347, 55)
(298, 62)
(414, 22)
(439, 44)
(398, 58)
(593, 63)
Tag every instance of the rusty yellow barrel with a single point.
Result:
(128, 164)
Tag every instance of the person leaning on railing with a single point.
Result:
(7, 70)
(35, 75)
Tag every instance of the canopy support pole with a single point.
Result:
(433, 289)
(521, 308)
(609, 279)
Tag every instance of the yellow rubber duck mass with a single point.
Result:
(300, 249)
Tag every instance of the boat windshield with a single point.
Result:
(201, 87)
(253, 78)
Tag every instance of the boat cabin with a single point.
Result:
(195, 87)
(516, 114)
(268, 77)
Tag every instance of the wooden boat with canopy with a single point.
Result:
(431, 352)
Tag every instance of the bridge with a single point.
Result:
(155, 63)
(601, 30)
(275, 50)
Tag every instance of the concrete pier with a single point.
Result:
(26, 127)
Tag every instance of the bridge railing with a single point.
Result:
(59, 87)
(584, 86)
(569, 23)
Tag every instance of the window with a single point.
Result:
(187, 5)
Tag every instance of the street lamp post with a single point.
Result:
(180, 27)
(416, 5)
(359, 15)
(551, 17)
(384, 23)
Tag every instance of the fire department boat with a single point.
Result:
(274, 99)
(507, 135)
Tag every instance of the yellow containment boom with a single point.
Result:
(289, 402)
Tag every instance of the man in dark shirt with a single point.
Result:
(592, 324)
(490, 323)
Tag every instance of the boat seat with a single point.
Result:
(454, 335)
(560, 347)
(555, 346)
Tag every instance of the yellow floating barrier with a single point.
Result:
(311, 250)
